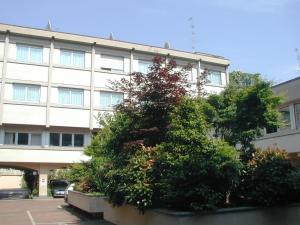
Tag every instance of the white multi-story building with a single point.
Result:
(54, 84)
(288, 136)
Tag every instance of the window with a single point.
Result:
(185, 71)
(9, 138)
(36, 139)
(285, 113)
(72, 58)
(144, 66)
(26, 53)
(26, 93)
(110, 99)
(66, 139)
(68, 96)
(54, 139)
(112, 63)
(214, 77)
(297, 115)
(22, 138)
(78, 140)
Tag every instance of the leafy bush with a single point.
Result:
(268, 179)
(87, 176)
(31, 181)
(193, 171)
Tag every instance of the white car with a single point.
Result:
(69, 188)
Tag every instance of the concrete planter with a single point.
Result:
(128, 215)
(85, 202)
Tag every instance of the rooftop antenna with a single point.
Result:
(192, 26)
(298, 56)
(167, 45)
(111, 36)
(49, 26)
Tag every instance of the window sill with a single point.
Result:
(70, 106)
(215, 85)
(113, 108)
(112, 72)
(280, 133)
(27, 63)
(71, 67)
(12, 102)
(34, 147)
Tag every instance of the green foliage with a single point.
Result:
(59, 174)
(240, 79)
(30, 179)
(268, 179)
(194, 172)
(133, 183)
(243, 111)
(88, 175)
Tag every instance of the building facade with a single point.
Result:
(288, 136)
(54, 85)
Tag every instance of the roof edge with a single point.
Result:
(79, 38)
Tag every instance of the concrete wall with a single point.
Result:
(85, 202)
(127, 215)
(287, 140)
(10, 181)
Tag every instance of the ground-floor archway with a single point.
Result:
(42, 171)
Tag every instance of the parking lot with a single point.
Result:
(43, 212)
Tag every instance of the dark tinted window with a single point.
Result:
(66, 139)
(54, 139)
(22, 138)
(78, 140)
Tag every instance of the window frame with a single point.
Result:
(104, 68)
(72, 140)
(26, 86)
(144, 61)
(29, 46)
(16, 137)
(111, 96)
(72, 51)
(210, 82)
(60, 89)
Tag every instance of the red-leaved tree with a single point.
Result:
(150, 97)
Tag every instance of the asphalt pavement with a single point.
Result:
(44, 212)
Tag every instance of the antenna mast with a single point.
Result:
(192, 26)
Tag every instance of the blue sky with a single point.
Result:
(257, 35)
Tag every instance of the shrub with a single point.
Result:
(193, 171)
(268, 179)
(133, 183)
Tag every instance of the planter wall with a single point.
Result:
(128, 215)
(87, 203)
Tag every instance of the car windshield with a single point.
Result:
(59, 183)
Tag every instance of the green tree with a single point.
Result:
(268, 179)
(243, 111)
(194, 172)
(240, 79)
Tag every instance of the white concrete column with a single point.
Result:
(1, 136)
(92, 87)
(49, 82)
(43, 181)
(131, 61)
(198, 77)
(4, 68)
(227, 75)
